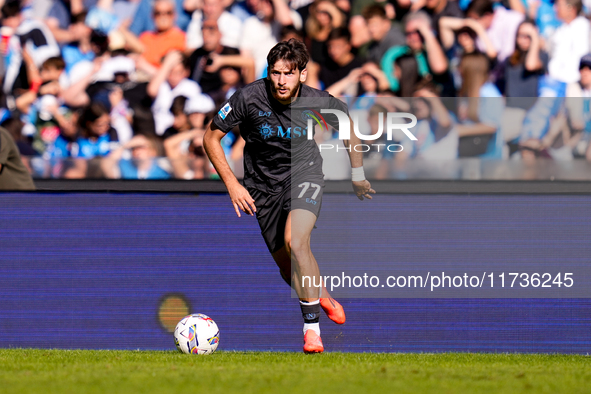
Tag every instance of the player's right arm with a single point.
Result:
(240, 197)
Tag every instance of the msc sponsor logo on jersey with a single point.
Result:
(267, 131)
(225, 111)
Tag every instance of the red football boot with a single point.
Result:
(312, 343)
(332, 308)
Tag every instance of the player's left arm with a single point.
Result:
(361, 186)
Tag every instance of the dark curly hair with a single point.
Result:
(293, 52)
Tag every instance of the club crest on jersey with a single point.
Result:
(225, 111)
(266, 130)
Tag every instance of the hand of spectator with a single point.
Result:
(171, 59)
(355, 74)
(533, 143)
(198, 137)
(370, 67)
(530, 30)
(417, 5)
(52, 88)
(192, 5)
(77, 31)
(390, 11)
(474, 25)
(375, 71)
(425, 93)
(217, 61)
(124, 26)
(422, 26)
(138, 140)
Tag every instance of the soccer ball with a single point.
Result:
(197, 334)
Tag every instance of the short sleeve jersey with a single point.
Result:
(277, 145)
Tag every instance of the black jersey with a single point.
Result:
(277, 146)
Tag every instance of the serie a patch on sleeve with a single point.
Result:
(226, 109)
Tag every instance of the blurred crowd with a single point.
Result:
(125, 88)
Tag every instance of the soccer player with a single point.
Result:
(263, 111)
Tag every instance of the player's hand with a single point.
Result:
(241, 199)
(363, 189)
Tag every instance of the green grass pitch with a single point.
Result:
(106, 371)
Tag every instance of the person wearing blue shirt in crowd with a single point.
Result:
(143, 19)
(94, 138)
(60, 19)
(143, 163)
(82, 49)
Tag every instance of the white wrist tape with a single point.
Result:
(357, 174)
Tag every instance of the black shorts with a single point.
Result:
(272, 209)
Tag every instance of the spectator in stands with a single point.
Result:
(29, 35)
(184, 143)
(243, 9)
(364, 82)
(81, 49)
(205, 63)
(44, 111)
(230, 26)
(437, 137)
(467, 32)
(181, 121)
(289, 32)
(166, 37)
(544, 122)
(383, 33)
(422, 44)
(438, 9)
(342, 60)
(561, 136)
(401, 9)
(60, 17)
(95, 132)
(524, 68)
(500, 23)
(569, 43)
(231, 80)
(324, 18)
(261, 32)
(143, 163)
(172, 81)
(143, 19)
(481, 112)
(186, 154)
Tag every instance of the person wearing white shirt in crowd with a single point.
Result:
(261, 32)
(172, 81)
(500, 23)
(230, 25)
(569, 43)
(27, 35)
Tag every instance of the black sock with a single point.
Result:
(310, 313)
